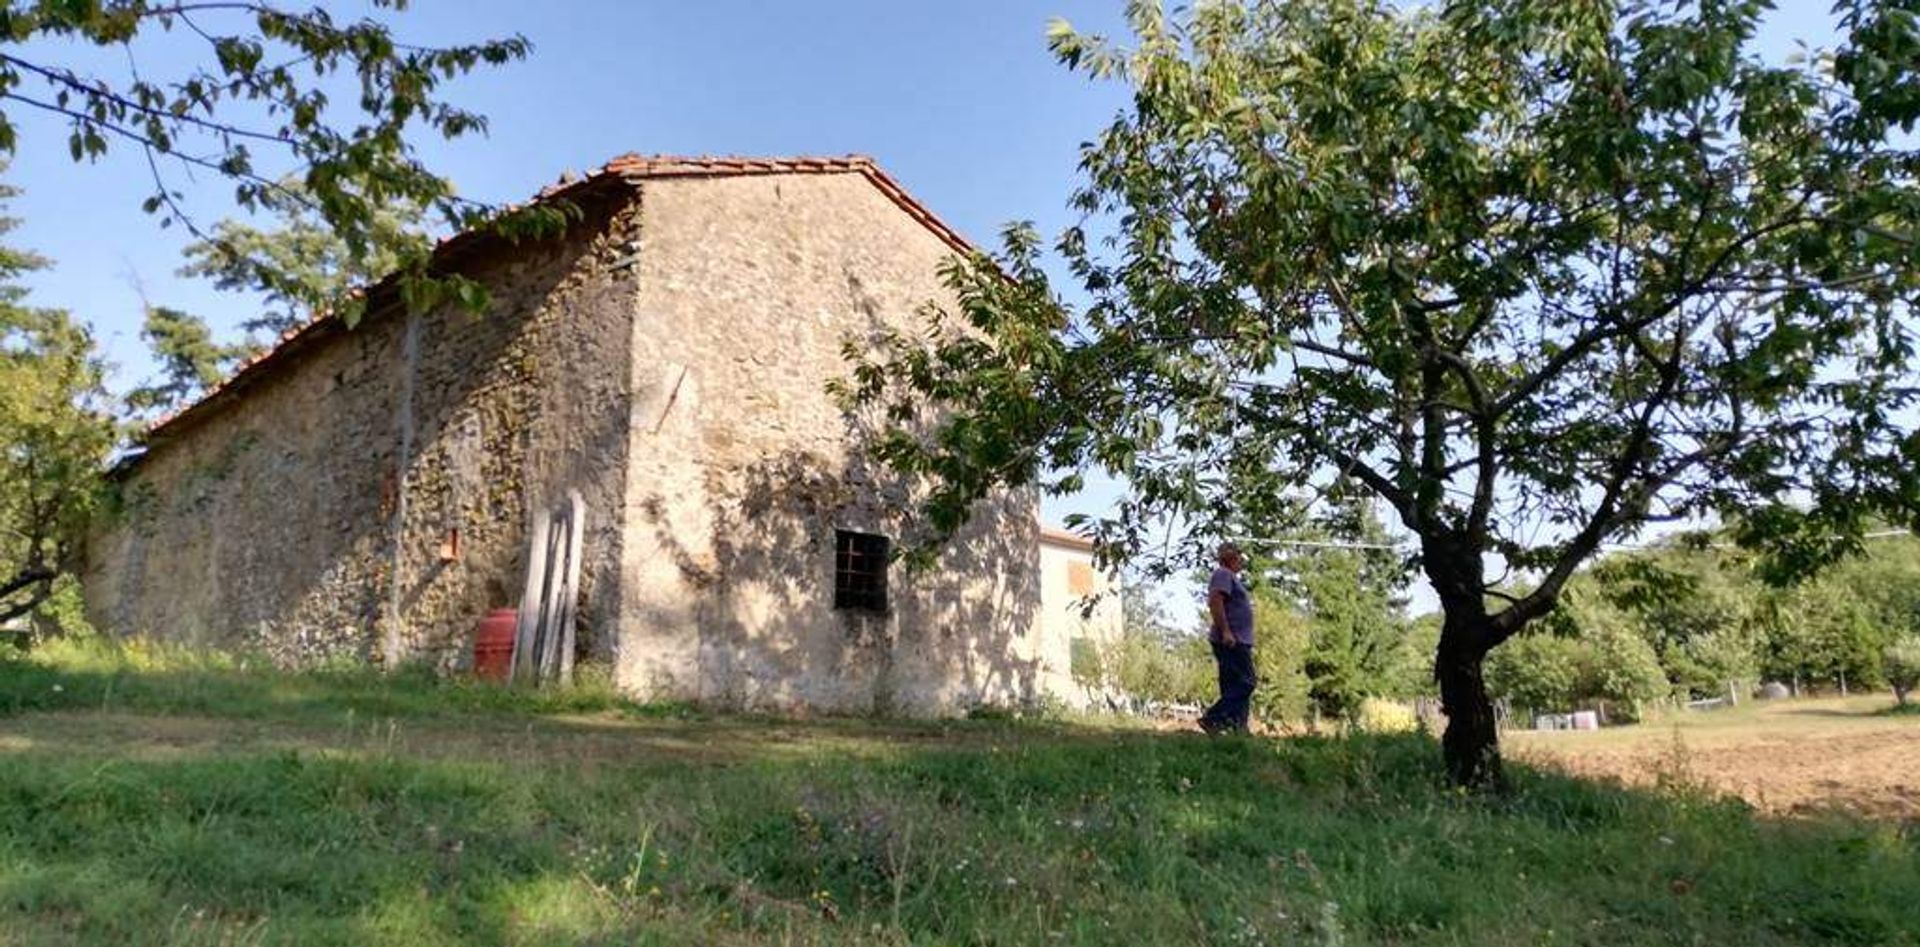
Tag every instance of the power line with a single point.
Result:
(1313, 543)
(1609, 547)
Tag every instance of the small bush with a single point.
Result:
(1385, 716)
(1149, 666)
(1083, 662)
(1538, 671)
(1607, 662)
(1901, 663)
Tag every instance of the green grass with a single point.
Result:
(173, 801)
(143, 677)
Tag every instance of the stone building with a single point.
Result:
(366, 493)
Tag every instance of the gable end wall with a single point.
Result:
(743, 467)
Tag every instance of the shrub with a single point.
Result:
(1084, 663)
(1385, 716)
(1901, 662)
(1539, 671)
(1282, 638)
(1624, 670)
(1150, 666)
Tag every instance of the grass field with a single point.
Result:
(1797, 756)
(167, 801)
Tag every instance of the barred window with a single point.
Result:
(860, 570)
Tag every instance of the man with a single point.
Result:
(1231, 635)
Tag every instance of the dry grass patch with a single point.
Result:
(1802, 756)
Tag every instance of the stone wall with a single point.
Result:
(669, 361)
(742, 466)
(312, 515)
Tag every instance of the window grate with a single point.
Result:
(860, 570)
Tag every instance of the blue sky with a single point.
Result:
(959, 100)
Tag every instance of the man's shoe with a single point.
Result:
(1211, 727)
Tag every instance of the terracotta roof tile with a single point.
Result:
(628, 168)
(1062, 537)
(640, 167)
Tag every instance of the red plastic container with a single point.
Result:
(493, 644)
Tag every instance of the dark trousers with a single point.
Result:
(1237, 682)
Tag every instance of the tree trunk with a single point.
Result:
(36, 580)
(1471, 743)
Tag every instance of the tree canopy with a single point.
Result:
(300, 259)
(190, 360)
(55, 432)
(293, 263)
(1696, 619)
(276, 91)
(1536, 274)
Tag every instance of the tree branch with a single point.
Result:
(1609, 514)
(97, 89)
(29, 575)
(1608, 330)
(146, 142)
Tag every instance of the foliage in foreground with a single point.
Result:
(260, 99)
(1532, 274)
(296, 822)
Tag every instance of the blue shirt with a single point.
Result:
(1239, 604)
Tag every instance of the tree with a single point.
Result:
(1823, 631)
(1715, 622)
(1903, 667)
(1540, 672)
(292, 263)
(55, 432)
(1623, 668)
(1535, 274)
(262, 94)
(1347, 580)
(1284, 636)
(1413, 670)
(1702, 611)
(190, 361)
(301, 258)
(1879, 595)
(1584, 652)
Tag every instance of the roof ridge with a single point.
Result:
(629, 168)
(637, 165)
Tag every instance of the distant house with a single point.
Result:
(1080, 615)
(366, 493)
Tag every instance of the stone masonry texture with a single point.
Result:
(668, 358)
